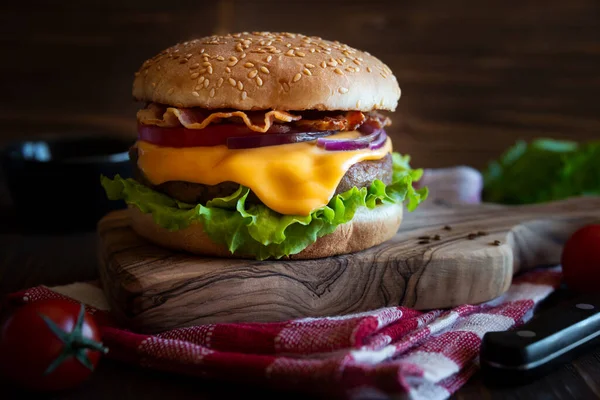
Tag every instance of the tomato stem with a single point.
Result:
(75, 344)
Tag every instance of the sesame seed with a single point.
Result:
(309, 65)
(243, 56)
(349, 69)
(244, 95)
(220, 58)
(206, 64)
(259, 81)
(198, 87)
(332, 63)
(368, 69)
(220, 82)
(269, 58)
(355, 61)
(384, 75)
(323, 64)
(286, 86)
(206, 83)
(210, 70)
(248, 65)
(300, 54)
(305, 71)
(312, 50)
(356, 69)
(201, 79)
(170, 90)
(232, 63)
(358, 103)
(228, 70)
(196, 94)
(212, 92)
(290, 53)
(264, 69)
(195, 75)
(240, 85)
(202, 70)
(338, 71)
(201, 51)
(188, 55)
(296, 78)
(194, 66)
(232, 82)
(343, 90)
(288, 45)
(252, 74)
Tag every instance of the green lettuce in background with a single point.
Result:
(255, 228)
(543, 170)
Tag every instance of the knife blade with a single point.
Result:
(550, 339)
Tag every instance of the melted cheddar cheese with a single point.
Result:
(293, 179)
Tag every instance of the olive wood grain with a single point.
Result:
(153, 289)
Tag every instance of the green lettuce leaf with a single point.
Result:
(543, 170)
(255, 228)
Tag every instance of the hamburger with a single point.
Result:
(266, 146)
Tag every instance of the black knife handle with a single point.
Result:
(548, 340)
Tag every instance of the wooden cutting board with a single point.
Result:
(153, 289)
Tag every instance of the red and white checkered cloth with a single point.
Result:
(394, 351)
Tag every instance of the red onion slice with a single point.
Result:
(379, 142)
(364, 142)
(249, 142)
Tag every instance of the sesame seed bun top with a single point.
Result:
(264, 70)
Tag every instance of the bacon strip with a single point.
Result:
(259, 121)
(198, 119)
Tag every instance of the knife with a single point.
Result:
(548, 340)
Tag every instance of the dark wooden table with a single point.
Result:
(53, 259)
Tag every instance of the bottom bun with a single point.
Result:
(368, 228)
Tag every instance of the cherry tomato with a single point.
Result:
(580, 259)
(212, 135)
(49, 345)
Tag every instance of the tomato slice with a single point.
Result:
(212, 135)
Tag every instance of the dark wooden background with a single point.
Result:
(475, 77)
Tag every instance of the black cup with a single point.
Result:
(54, 182)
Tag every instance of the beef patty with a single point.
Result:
(361, 174)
